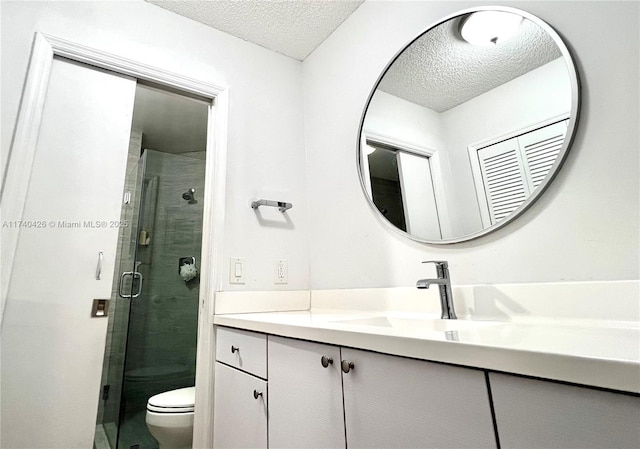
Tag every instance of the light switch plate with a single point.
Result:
(237, 270)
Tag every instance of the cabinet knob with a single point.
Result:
(234, 349)
(326, 361)
(347, 366)
(256, 394)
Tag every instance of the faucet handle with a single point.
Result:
(442, 268)
(442, 263)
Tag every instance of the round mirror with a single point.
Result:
(468, 124)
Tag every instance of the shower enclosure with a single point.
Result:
(151, 337)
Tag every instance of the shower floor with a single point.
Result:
(101, 441)
(133, 433)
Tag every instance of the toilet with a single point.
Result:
(170, 418)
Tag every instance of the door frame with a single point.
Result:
(435, 162)
(22, 154)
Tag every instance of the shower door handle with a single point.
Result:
(134, 275)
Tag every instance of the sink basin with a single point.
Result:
(424, 324)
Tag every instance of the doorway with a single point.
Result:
(402, 188)
(151, 337)
(66, 169)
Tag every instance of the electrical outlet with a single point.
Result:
(281, 271)
(237, 269)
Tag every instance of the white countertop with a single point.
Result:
(596, 353)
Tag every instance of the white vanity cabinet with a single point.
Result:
(240, 393)
(389, 401)
(328, 396)
(395, 402)
(305, 395)
(540, 414)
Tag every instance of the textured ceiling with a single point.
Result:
(291, 27)
(440, 70)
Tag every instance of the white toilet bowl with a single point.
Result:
(170, 418)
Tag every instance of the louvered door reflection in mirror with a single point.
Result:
(488, 124)
(509, 170)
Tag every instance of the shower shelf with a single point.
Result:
(279, 204)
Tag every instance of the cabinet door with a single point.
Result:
(239, 418)
(305, 398)
(394, 402)
(535, 414)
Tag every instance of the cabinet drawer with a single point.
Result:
(240, 418)
(243, 350)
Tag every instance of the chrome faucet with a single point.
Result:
(444, 283)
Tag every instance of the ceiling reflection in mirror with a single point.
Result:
(457, 138)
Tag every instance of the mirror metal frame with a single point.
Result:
(572, 126)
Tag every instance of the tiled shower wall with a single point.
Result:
(164, 324)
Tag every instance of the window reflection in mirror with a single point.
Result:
(491, 119)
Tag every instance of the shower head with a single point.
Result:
(188, 195)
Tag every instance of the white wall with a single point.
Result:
(585, 227)
(404, 121)
(265, 143)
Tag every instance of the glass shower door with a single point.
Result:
(126, 285)
(161, 341)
